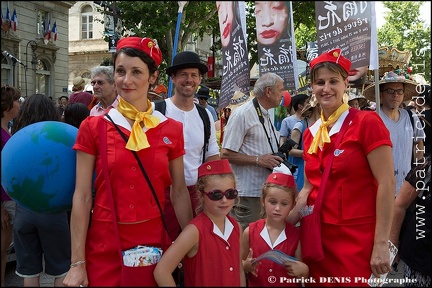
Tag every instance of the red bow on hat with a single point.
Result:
(146, 45)
(281, 179)
(334, 56)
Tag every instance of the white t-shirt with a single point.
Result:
(193, 131)
(401, 135)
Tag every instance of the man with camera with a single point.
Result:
(251, 146)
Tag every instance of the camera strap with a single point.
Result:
(261, 118)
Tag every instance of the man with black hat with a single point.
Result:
(203, 94)
(186, 73)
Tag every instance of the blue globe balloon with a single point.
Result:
(38, 166)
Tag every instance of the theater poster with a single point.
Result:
(350, 26)
(235, 58)
(276, 42)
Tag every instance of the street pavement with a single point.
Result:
(13, 280)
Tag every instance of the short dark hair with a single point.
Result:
(299, 99)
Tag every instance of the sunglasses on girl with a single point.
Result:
(218, 194)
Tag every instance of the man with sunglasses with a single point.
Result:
(104, 89)
(406, 134)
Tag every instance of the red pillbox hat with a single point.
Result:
(334, 56)
(281, 179)
(146, 45)
(214, 167)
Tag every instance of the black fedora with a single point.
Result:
(203, 92)
(186, 59)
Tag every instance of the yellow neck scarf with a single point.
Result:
(138, 139)
(322, 136)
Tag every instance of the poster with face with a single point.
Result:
(235, 58)
(276, 43)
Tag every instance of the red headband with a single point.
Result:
(281, 179)
(146, 45)
(334, 56)
(214, 167)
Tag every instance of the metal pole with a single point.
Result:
(377, 92)
(179, 16)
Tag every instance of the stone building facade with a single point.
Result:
(49, 66)
(40, 60)
(87, 50)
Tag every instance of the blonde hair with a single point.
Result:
(202, 182)
(336, 68)
(291, 190)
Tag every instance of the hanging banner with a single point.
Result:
(210, 66)
(347, 25)
(235, 58)
(276, 42)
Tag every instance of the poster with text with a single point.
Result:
(235, 58)
(276, 42)
(347, 25)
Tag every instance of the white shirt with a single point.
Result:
(193, 131)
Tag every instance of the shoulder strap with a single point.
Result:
(410, 114)
(142, 169)
(206, 120)
(411, 117)
(160, 105)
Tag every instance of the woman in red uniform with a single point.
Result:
(358, 202)
(159, 144)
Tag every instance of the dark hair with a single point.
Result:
(132, 52)
(75, 113)
(9, 95)
(35, 108)
(299, 99)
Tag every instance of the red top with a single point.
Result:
(351, 178)
(83, 97)
(268, 269)
(348, 212)
(217, 262)
(133, 198)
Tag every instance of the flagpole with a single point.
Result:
(179, 16)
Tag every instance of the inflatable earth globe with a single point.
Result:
(38, 166)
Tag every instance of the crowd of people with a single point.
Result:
(169, 193)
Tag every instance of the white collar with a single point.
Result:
(120, 120)
(336, 127)
(265, 235)
(228, 229)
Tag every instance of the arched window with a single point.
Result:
(6, 72)
(87, 22)
(43, 75)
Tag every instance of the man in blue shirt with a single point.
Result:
(203, 94)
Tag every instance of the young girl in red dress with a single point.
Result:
(210, 244)
(274, 232)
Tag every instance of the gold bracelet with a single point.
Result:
(76, 264)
